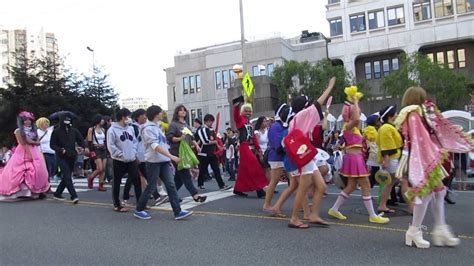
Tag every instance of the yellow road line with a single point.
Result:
(241, 215)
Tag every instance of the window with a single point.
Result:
(335, 26)
(232, 76)
(377, 71)
(192, 81)
(357, 22)
(386, 67)
(440, 58)
(174, 94)
(396, 16)
(193, 115)
(376, 19)
(395, 64)
(255, 71)
(422, 10)
(218, 80)
(263, 71)
(225, 79)
(450, 57)
(461, 58)
(443, 8)
(464, 5)
(270, 69)
(368, 70)
(333, 1)
(199, 114)
(430, 57)
(185, 85)
(198, 83)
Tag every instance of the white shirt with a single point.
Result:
(262, 139)
(230, 153)
(98, 138)
(45, 140)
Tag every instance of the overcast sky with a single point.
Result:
(135, 40)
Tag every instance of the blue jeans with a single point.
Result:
(51, 165)
(162, 170)
(230, 169)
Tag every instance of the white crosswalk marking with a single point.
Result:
(80, 185)
(189, 203)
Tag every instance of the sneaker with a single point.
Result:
(141, 215)
(161, 200)
(75, 201)
(379, 220)
(126, 203)
(61, 198)
(226, 187)
(183, 214)
(336, 214)
(202, 188)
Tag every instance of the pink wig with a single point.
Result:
(27, 115)
(347, 112)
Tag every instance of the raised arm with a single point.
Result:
(327, 91)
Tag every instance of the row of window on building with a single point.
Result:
(375, 69)
(262, 71)
(452, 58)
(193, 114)
(422, 10)
(191, 84)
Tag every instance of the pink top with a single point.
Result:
(352, 138)
(306, 120)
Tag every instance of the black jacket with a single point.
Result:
(66, 139)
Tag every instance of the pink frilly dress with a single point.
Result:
(353, 164)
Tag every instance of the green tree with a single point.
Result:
(444, 84)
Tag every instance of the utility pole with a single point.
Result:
(242, 36)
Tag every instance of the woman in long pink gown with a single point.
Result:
(25, 175)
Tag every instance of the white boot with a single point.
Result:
(442, 236)
(414, 234)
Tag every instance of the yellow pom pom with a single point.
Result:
(352, 92)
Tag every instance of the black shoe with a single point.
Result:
(276, 192)
(448, 199)
(241, 194)
(392, 203)
(61, 198)
(41, 196)
(261, 193)
(225, 187)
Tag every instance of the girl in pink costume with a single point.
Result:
(25, 175)
(428, 137)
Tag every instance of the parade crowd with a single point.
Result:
(406, 152)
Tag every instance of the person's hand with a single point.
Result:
(385, 164)
(355, 99)
(63, 151)
(198, 149)
(86, 151)
(332, 83)
(183, 137)
(174, 159)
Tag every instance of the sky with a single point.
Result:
(135, 40)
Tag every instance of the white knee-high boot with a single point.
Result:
(442, 234)
(414, 233)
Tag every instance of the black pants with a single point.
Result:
(66, 165)
(183, 177)
(373, 171)
(128, 183)
(120, 169)
(204, 162)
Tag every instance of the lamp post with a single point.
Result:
(242, 36)
(93, 58)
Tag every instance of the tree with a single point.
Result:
(293, 78)
(97, 86)
(445, 85)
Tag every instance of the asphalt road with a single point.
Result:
(226, 231)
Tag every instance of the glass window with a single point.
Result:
(255, 71)
(232, 77)
(357, 23)
(270, 69)
(464, 5)
(396, 16)
(226, 79)
(443, 8)
(440, 58)
(174, 93)
(422, 10)
(461, 58)
(218, 80)
(192, 81)
(263, 71)
(377, 70)
(395, 64)
(193, 114)
(386, 67)
(198, 83)
(430, 57)
(368, 70)
(333, 1)
(199, 114)
(376, 19)
(450, 57)
(185, 85)
(335, 26)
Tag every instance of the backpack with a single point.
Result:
(299, 148)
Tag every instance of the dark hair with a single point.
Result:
(209, 117)
(107, 118)
(197, 120)
(176, 110)
(153, 111)
(137, 113)
(124, 112)
(259, 123)
(299, 103)
(96, 120)
(387, 112)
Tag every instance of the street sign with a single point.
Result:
(247, 84)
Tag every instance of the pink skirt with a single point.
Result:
(353, 165)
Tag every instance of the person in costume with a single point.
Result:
(307, 116)
(251, 176)
(96, 141)
(353, 165)
(370, 138)
(390, 144)
(25, 174)
(44, 134)
(428, 137)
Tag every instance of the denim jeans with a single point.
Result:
(128, 183)
(66, 166)
(184, 177)
(163, 171)
(230, 169)
(51, 165)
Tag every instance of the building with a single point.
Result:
(200, 79)
(368, 37)
(135, 103)
(29, 41)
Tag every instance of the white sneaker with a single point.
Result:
(161, 200)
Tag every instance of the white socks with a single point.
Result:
(437, 207)
(340, 200)
(419, 211)
(369, 206)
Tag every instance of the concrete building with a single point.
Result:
(135, 103)
(29, 41)
(368, 37)
(200, 79)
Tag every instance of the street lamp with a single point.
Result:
(93, 58)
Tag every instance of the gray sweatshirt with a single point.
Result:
(122, 143)
(153, 137)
